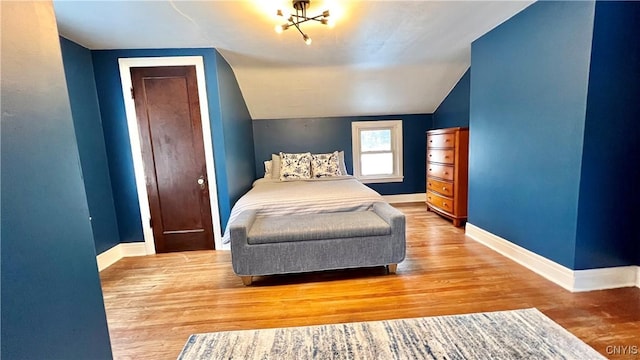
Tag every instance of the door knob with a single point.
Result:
(201, 182)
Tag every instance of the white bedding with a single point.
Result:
(272, 197)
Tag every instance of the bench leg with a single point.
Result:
(391, 268)
(246, 280)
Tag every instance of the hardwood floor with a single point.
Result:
(155, 302)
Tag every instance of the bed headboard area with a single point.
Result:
(324, 135)
(317, 135)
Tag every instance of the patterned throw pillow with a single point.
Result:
(295, 166)
(323, 165)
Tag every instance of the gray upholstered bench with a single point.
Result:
(267, 245)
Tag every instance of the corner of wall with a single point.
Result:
(85, 109)
(122, 250)
(604, 238)
(237, 142)
(572, 280)
(454, 109)
(524, 78)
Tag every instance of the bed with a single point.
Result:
(281, 227)
(331, 194)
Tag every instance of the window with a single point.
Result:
(377, 150)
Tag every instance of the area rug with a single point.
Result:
(517, 334)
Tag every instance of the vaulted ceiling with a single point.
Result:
(380, 57)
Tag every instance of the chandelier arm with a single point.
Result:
(299, 30)
(300, 17)
(316, 18)
(305, 20)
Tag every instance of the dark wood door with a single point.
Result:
(168, 112)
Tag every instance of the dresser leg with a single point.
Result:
(457, 222)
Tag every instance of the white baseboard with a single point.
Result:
(109, 257)
(539, 264)
(572, 280)
(405, 198)
(119, 251)
(606, 278)
(133, 249)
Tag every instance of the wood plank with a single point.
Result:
(155, 302)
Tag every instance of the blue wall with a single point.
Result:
(528, 104)
(318, 135)
(454, 109)
(52, 306)
(238, 135)
(609, 198)
(117, 135)
(93, 154)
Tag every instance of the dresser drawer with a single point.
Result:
(441, 156)
(440, 202)
(440, 171)
(441, 187)
(441, 140)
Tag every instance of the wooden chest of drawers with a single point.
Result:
(447, 173)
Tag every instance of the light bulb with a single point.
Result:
(280, 28)
(331, 23)
(307, 39)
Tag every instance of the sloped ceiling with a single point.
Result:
(380, 57)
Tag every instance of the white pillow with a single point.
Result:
(295, 166)
(324, 165)
(343, 166)
(267, 169)
(275, 167)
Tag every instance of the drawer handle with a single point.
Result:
(444, 188)
(430, 155)
(446, 173)
(445, 204)
(446, 140)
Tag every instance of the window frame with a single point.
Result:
(395, 126)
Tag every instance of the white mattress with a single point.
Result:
(273, 197)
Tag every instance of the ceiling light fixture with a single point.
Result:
(300, 17)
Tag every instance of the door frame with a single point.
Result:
(125, 64)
